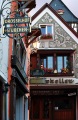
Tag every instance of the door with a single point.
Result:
(39, 108)
(63, 108)
(52, 108)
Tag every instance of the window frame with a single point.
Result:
(55, 54)
(46, 29)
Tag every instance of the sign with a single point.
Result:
(71, 94)
(19, 24)
(37, 72)
(10, 30)
(17, 20)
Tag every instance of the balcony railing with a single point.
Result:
(51, 73)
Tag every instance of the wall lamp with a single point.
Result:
(35, 47)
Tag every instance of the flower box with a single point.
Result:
(65, 70)
(46, 36)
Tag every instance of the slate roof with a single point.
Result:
(68, 16)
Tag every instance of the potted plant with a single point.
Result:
(64, 70)
(49, 70)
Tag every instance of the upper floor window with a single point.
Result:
(54, 61)
(62, 62)
(47, 62)
(46, 31)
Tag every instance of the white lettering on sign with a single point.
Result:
(17, 20)
(16, 30)
(71, 94)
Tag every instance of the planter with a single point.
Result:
(46, 36)
(46, 39)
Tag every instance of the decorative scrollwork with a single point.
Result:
(6, 6)
(13, 9)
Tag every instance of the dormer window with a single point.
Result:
(60, 12)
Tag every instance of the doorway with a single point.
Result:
(52, 108)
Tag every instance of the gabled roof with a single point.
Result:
(46, 5)
(68, 16)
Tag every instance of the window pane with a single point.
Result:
(65, 61)
(49, 62)
(49, 29)
(62, 104)
(43, 29)
(44, 63)
(59, 63)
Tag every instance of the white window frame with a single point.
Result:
(46, 28)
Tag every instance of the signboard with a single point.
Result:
(37, 72)
(10, 30)
(19, 24)
(17, 20)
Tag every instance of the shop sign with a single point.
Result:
(17, 20)
(11, 30)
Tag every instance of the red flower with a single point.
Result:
(46, 36)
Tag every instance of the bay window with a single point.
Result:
(53, 62)
(61, 63)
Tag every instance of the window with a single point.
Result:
(46, 31)
(62, 104)
(47, 62)
(59, 62)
